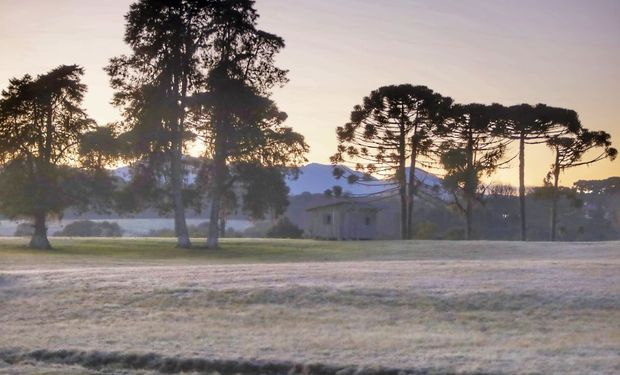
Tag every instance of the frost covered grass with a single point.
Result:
(443, 306)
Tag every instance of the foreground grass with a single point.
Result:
(499, 307)
(14, 252)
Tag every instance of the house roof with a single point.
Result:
(363, 205)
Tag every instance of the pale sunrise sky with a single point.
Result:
(558, 52)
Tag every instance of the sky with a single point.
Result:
(563, 53)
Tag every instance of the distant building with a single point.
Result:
(343, 220)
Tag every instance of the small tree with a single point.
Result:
(41, 125)
(569, 152)
(390, 131)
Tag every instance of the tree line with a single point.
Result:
(199, 75)
(403, 127)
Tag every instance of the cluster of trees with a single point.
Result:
(398, 128)
(199, 75)
(587, 211)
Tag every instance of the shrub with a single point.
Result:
(426, 231)
(454, 234)
(233, 233)
(258, 230)
(24, 230)
(284, 228)
(89, 228)
(197, 231)
(164, 232)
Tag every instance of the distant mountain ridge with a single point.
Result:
(315, 178)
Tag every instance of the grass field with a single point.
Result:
(415, 306)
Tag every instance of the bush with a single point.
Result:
(89, 228)
(233, 233)
(199, 230)
(258, 230)
(195, 231)
(426, 231)
(164, 232)
(284, 228)
(24, 230)
(454, 234)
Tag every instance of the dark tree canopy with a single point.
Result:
(42, 123)
(264, 190)
(42, 118)
(254, 131)
(385, 128)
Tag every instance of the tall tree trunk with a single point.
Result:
(217, 191)
(522, 186)
(468, 218)
(176, 161)
(404, 233)
(39, 237)
(554, 203)
(180, 224)
(411, 189)
(402, 177)
(223, 226)
(471, 186)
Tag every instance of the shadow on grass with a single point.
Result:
(170, 365)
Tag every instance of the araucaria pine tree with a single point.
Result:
(570, 151)
(473, 146)
(391, 131)
(528, 125)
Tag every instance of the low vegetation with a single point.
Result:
(89, 228)
(416, 306)
(284, 228)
